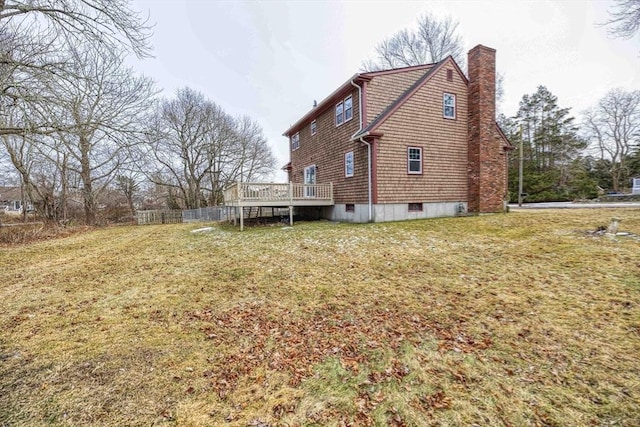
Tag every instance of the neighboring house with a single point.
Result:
(635, 185)
(11, 200)
(406, 143)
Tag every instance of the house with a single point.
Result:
(405, 143)
(11, 200)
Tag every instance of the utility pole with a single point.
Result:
(520, 170)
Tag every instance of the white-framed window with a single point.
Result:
(348, 109)
(295, 142)
(314, 127)
(344, 110)
(348, 164)
(310, 180)
(449, 106)
(339, 113)
(414, 160)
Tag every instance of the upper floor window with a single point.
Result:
(295, 142)
(339, 113)
(348, 164)
(348, 109)
(449, 106)
(314, 128)
(344, 110)
(414, 160)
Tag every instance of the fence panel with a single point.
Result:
(159, 217)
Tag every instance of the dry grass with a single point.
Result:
(519, 319)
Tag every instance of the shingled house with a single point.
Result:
(405, 143)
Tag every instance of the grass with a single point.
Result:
(506, 320)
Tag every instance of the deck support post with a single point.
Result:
(291, 216)
(241, 209)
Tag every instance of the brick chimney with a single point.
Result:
(487, 178)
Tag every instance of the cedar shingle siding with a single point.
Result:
(463, 159)
(419, 123)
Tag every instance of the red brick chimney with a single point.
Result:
(487, 178)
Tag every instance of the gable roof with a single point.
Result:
(10, 193)
(391, 108)
(335, 96)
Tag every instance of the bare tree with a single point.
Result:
(199, 149)
(188, 134)
(112, 24)
(624, 19)
(432, 41)
(101, 112)
(613, 127)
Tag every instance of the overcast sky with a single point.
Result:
(271, 59)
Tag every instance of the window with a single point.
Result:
(449, 75)
(348, 109)
(414, 160)
(339, 116)
(295, 142)
(309, 181)
(350, 207)
(344, 111)
(314, 127)
(348, 164)
(449, 106)
(415, 207)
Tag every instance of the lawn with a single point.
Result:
(521, 319)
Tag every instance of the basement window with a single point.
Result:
(415, 207)
(350, 207)
(449, 106)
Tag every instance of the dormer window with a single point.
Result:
(449, 106)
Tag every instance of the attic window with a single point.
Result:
(449, 106)
(450, 75)
(295, 142)
(314, 127)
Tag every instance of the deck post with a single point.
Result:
(241, 209)
(291, 216)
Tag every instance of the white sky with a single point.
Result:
(271, 59)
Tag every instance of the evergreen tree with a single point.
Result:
(550, 147)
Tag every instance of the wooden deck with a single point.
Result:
(270, 194)
(248, 194)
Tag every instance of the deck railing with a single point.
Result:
(292, 194)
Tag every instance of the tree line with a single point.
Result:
(80, 129)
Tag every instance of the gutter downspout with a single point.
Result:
(369, 185)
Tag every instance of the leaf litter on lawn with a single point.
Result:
(516, 319)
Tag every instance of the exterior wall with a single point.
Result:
(339, 212)
(326, 149)
(419, 122)
(385, 89)
(487, 157)
(393, 212)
